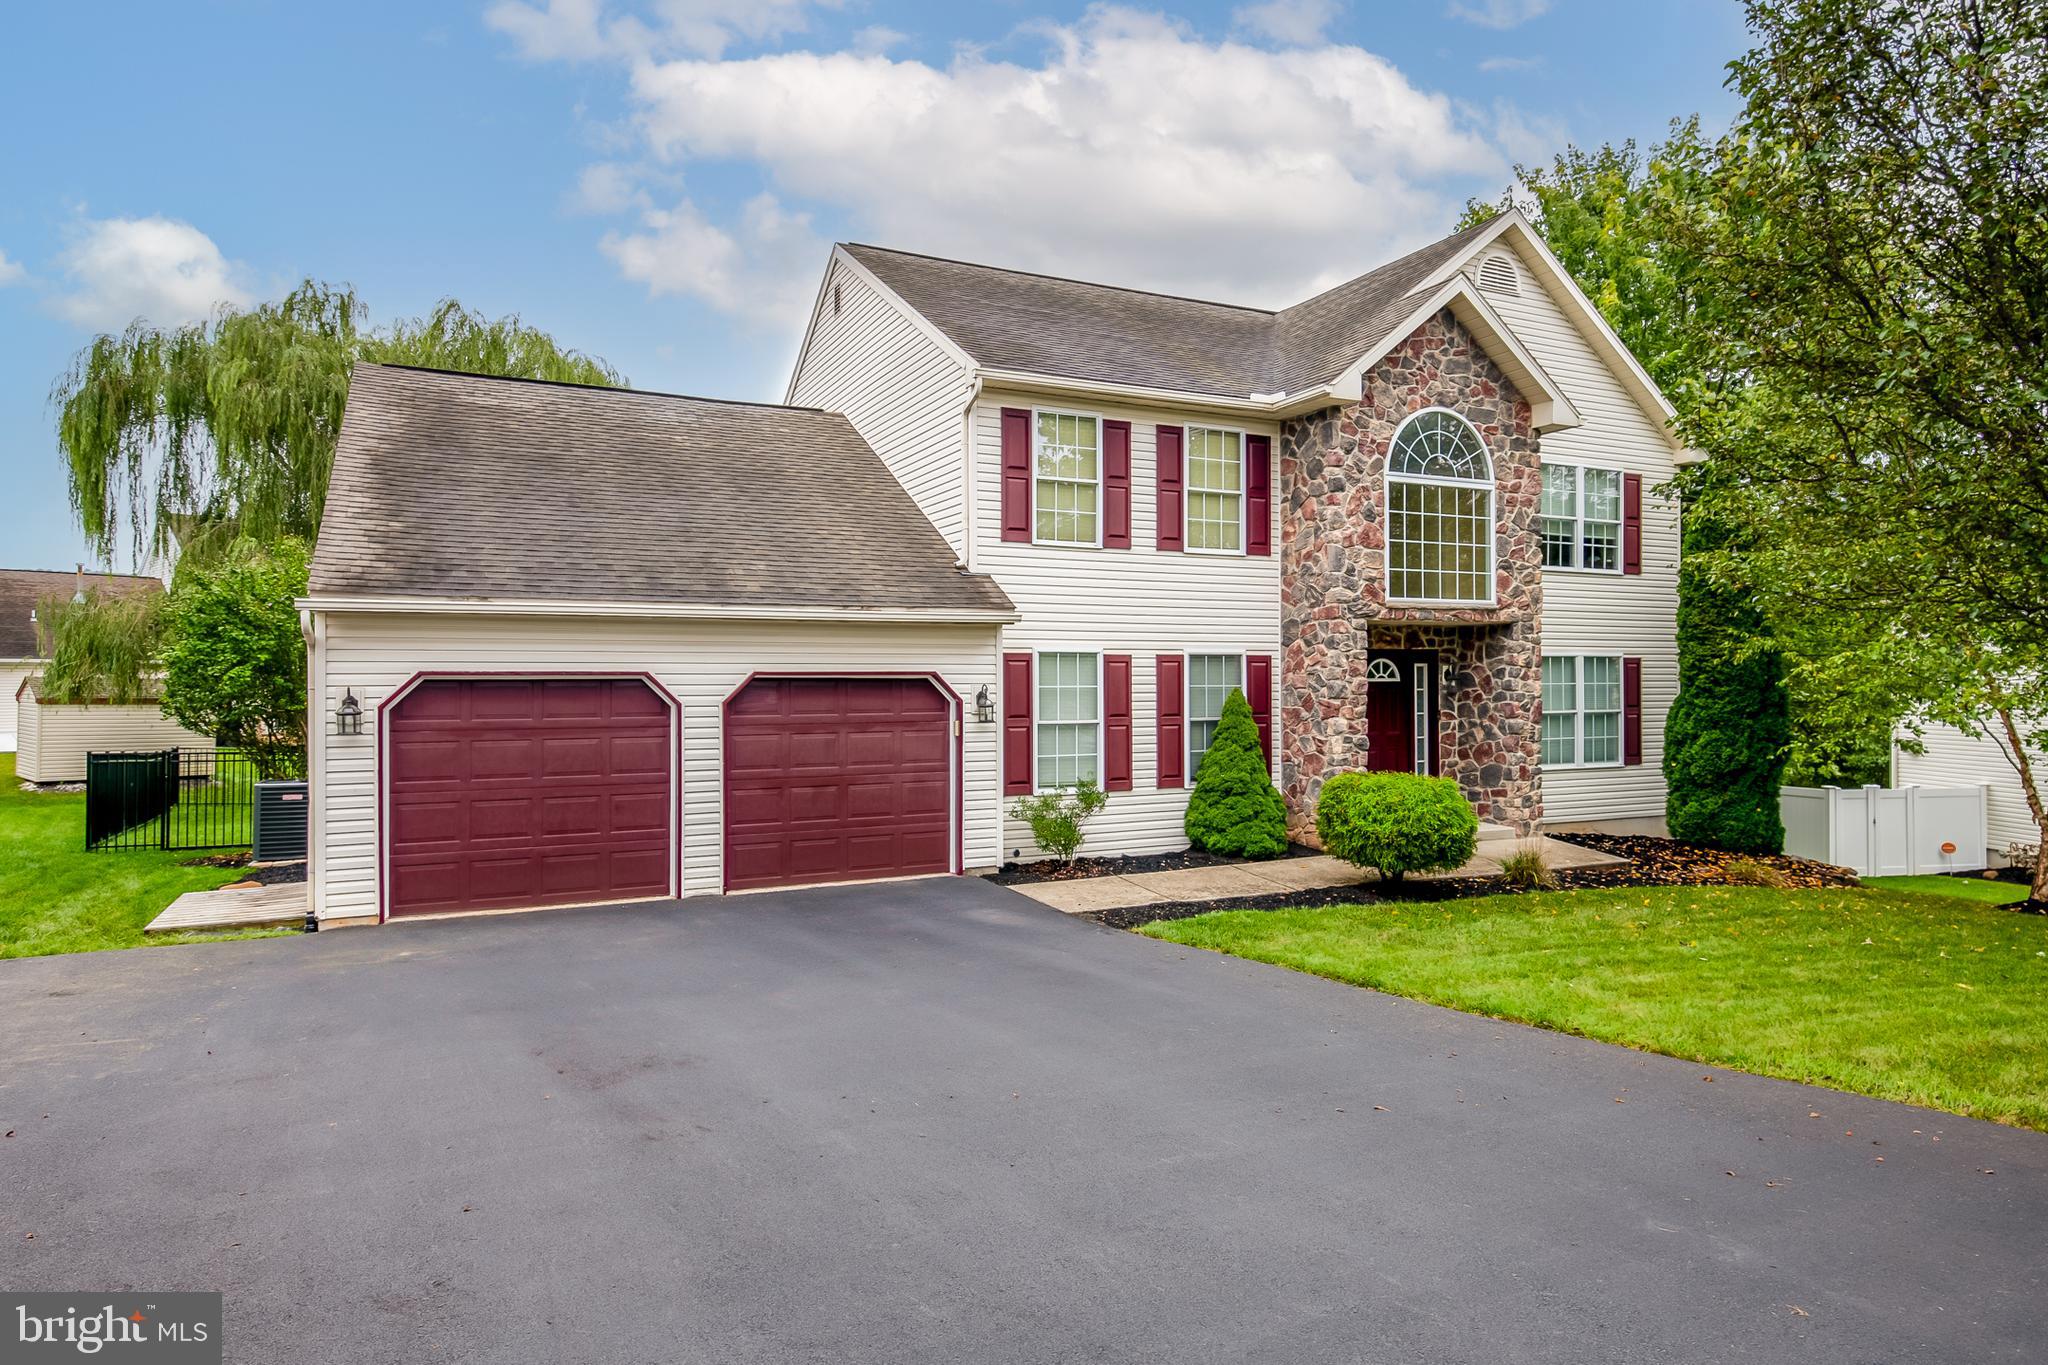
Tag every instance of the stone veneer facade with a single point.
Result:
(1334, 609)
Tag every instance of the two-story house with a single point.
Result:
(1008, 531)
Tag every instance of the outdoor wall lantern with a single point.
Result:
(984, 705)
(348, 717)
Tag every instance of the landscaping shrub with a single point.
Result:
(1525, 870)
(1397, 823)
(1235, 809)
(1750, 872)
(1727, 736)
(1056, 818)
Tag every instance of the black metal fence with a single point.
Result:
(169, 799)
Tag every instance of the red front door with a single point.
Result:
(1400, 700)
(508, 794)
(836, 779)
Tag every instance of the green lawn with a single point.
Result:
(57, 898)
(1968, 888)
(1934, 1000)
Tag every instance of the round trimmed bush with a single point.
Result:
(1397, 823)
(1235, 809)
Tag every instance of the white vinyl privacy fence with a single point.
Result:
(1886, 831)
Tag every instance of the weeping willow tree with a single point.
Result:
(194, 437)
(102, 646)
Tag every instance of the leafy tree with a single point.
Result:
(1235, 808)
(1726, 738)
(1870, 313)
(199, 435)
(101, 645)
(233, 659)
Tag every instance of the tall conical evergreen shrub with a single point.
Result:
(1235, 809)
(1726, 739)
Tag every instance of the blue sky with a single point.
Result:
(659, 183)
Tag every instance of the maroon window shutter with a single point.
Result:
(1631, 711)
(1631, 523)
(1017, 725)
(1168, 477)
(1116, 722)
(1116, 485)
(1258, 690)
(1017, 474)
(1258, 496)
(1173, 734)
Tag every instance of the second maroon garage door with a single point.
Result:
(515, 793)
(836, 779)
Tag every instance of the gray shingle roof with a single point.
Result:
(23, 590)
(455, 485)
(1042, 324)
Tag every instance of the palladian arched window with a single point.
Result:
(1439, 512)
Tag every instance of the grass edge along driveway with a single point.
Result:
(1932, 1000)
(57, 898)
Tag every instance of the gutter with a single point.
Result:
(686, 611)
(1275, 405)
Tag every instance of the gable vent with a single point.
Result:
(1497, 276)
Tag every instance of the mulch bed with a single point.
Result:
(269, 874)
(1053, 870)
(1654, 862)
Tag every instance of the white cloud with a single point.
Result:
(581, 30)
(877, 38)
(1511, 63)
(11, 272)
(606, 188)
(1297, 22)
(762, 268)
(1295, 169)
(1498, 13)
(165, 271)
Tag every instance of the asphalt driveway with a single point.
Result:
(937, 1122)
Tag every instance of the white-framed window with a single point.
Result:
(1069, 711)
(1066, 483)
(1211, 678)
(1580, 518)
(1581, 710)
(1215, 490)
(1439, 512)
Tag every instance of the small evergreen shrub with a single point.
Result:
(1235, 809)
(1396, 823)
(1056, 817)
(1525, 870)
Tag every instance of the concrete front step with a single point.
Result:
(1489, 833)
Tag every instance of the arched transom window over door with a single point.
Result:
(1439, 512)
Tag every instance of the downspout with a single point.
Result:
(310, 627)
(967, 473)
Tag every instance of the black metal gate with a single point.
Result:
(169, 799)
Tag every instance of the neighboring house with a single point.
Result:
(1416, 518)
(1954, 759)
(23, 643)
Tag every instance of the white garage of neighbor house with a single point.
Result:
(24, 642)
(611, 645)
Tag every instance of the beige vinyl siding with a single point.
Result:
(12, 676)
(700, 662)
(1604, 613)
(1954, 759)
(1137, 601)
(901, 390)
(54, 739)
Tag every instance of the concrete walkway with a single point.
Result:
(1230, 881)
(248, 907)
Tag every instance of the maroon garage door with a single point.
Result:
(836, 779)
(507, 794)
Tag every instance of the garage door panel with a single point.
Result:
(831, 779)
(511, 794)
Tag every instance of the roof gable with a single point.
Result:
(461, 486)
